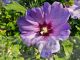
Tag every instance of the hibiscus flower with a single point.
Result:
(44, 26)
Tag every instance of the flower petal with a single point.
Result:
(26, 26)
(48, 47)
(27, 38)
(46, 9)
(22, 22)
(77, 2)
(46, 53)
(76, 13)
(33, 28)
(53, 45)
(62, 32)
(34, 14)
(59, 15)
(64, 35)
(37, 40)
(6, 1)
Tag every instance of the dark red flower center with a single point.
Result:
(45, 29)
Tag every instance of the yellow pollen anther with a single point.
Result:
(44, 30)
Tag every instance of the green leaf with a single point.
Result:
(78, 28)
(15, 6)
(11, 25)
(58, 58)
(68, 48)
(65, 52)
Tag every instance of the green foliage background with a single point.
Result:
(11, 45)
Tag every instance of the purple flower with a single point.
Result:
(6, 1)
(45, 26)
(75, 9)
(77, 2)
